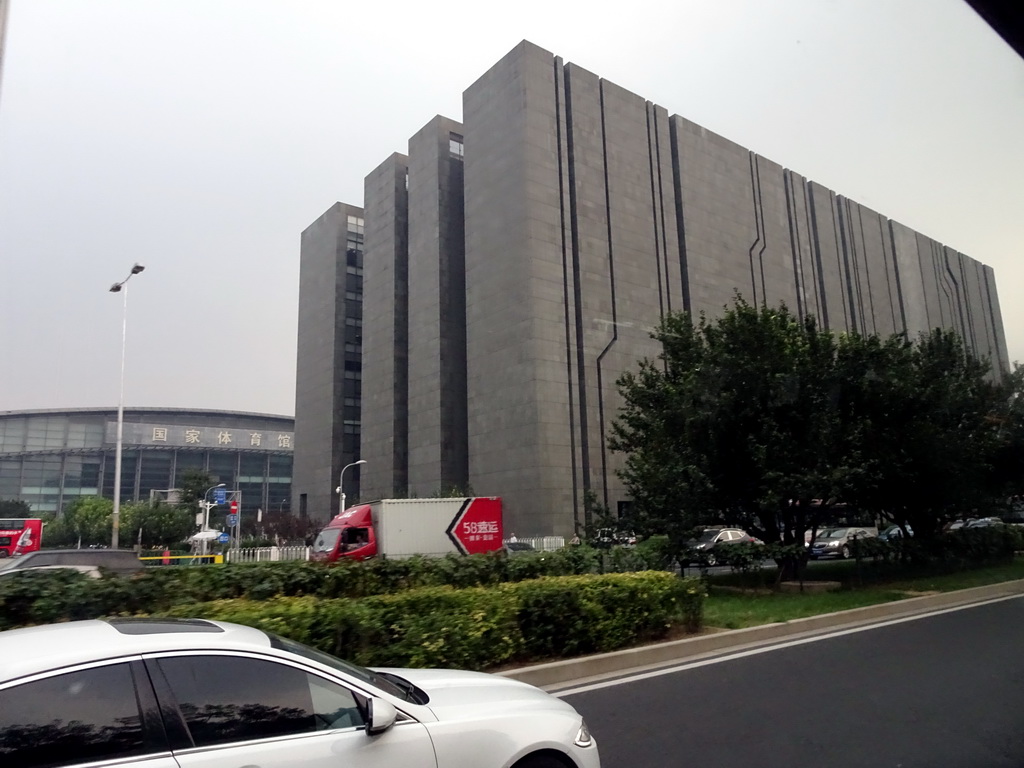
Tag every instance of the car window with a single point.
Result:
(227, 699)
(77, 717)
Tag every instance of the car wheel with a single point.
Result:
(846, 552)
(539, 761)
(712, 560)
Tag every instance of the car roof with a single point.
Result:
(32, 650)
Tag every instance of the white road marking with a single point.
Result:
(770, 648)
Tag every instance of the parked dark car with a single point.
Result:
(894, 533)
(702, 549)
(519, 548)
(121, 561)
(835, 542)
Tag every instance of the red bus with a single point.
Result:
(20, 535)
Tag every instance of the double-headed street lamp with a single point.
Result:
(341, 483)
(116, 526)
(206, 512)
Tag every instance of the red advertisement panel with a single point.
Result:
(477, 527)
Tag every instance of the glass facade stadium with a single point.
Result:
(49, 458)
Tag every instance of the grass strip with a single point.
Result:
(729, 610)
(737, 611)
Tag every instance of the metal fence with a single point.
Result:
(266, 554)
(543, 543)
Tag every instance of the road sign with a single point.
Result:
(232, 520)
(219, 495)
(476, 527)
(224, 538)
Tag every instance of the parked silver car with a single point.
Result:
(193, 693)
(835, 542)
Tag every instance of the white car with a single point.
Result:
(162, 693)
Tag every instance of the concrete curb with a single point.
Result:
(618, 662)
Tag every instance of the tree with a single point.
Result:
(761, 419)
(737, 422)
(84, 522)
(15, 508)
(194, 484)
(1007, 417)
(926, 432)
(161, 525)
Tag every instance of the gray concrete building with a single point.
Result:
(328, 382)
(587, 214)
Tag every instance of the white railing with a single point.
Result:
(543, 543)
(266, 554)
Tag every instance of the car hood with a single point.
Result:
(453, 693)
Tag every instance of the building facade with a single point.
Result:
(328, 384)
(587, 214)
(50, 458)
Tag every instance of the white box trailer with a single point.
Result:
(406, 527)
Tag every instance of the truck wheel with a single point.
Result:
(846, 552)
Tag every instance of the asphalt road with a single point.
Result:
(946, 691)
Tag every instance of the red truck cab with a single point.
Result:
(349, 535)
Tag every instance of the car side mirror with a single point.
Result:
(382, 716)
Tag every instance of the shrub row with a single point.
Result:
(477, 627)
(161, 588)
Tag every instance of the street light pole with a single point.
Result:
(206, 511)
(341, 483)
(116, 521)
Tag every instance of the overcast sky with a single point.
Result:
(200, 137)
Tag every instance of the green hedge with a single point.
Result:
(71, 595)
(478, 627)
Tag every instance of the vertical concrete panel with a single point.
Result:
(572, 496)
(929, 280)
(665, 194)
(720, 227)
(515, 331)
(808, 294)
(385, 345)
(912, 290)
(978, 342)
(591, 260)
(951, 279)
(995, 319)
(773, 257)
(871, 270)
(437, 320)
(638, 265)
(828, 255)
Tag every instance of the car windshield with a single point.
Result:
(709, 535)
(836, 533)
(326, 540)
(360, 673)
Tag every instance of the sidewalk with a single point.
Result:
(615, 663)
